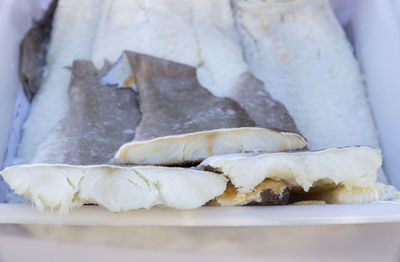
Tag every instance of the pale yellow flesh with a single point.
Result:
(231, 197)
(198, 146)
(353, 167)
(61, 187)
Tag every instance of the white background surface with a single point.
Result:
(380, 242)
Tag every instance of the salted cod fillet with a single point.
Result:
(183, 122)
(100, 119)
(338, 175)
(300, 50)
(164, 89)
(74, 28)
(62, 187)
(200, 34)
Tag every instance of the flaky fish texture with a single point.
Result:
(298, 48)
(333, 176)
(352, 167)
(60, 188)
(100, 119)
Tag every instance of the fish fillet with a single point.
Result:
(184, 122)
(300, 51)
(62, 187)
(201, 34)
(352, 167)
(335, 176)
(73, 32)
(195, 33)
(158, 28)
(194, 147)
(100, 119)
(174, 103)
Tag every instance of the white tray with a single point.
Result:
(383, 83)
(210, 216)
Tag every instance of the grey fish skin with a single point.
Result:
(99, 121)
(33, 50)
(267, 112)
(173, 102)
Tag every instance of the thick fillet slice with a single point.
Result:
(194, 147)
(334, 176)
(319, 170)
(62, 187)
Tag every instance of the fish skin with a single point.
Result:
(173, 102)
(100, 119)
(33, 51)
(267, 112)
(183, 122)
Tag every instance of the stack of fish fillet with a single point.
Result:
(189, 103)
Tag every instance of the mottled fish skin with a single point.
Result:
(173, 102)
(99, 121)
(33, 51)
(267, 112)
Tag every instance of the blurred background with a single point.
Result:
(301, 243)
